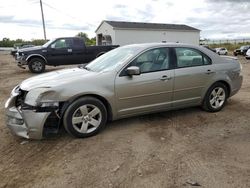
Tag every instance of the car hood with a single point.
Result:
(30, 49)
(56, 78)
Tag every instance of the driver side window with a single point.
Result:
(153, 60)
(61, 43)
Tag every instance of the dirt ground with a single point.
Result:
(169, 149)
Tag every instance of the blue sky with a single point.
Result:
(217, 19)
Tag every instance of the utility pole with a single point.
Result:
(44, 32)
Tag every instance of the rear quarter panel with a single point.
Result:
(228, 71)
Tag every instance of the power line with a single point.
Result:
(60, 11)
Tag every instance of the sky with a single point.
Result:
(217, 19)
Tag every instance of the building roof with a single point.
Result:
(153, 26)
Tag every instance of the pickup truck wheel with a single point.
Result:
(85, 117)
(216, 97)
(36, 65)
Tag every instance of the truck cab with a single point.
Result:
(60, 51)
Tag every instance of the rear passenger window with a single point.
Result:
(77, 43)
(187, 57)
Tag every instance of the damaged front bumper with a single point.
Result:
(25, 122)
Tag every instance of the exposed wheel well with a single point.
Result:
(102, 99)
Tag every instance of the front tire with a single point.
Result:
(215, 98)
(85, 117)
(36, 65)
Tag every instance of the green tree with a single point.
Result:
(6, 42)
(83, 35)
(87, 40)
(38, 42)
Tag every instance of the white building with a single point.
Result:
(122, 33)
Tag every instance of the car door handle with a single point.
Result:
(69, 50)
(165, 77)
(209, 71)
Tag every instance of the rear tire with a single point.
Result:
(85, 117)
(215, 98)
(36, 65)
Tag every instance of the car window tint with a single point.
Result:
(62, 43)
(206, 60)
(69, 43)
(153, 60)
(77, 43)
(187, 57)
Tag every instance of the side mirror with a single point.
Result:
(133, 70)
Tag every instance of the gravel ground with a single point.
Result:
(169, 149)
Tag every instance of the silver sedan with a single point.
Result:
(128, 81)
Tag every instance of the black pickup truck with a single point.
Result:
(241, 51)
(60, 51)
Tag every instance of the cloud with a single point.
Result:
(23, 22)
(122, 12)
(120, 6)
(146, 14)
(70, 27)
(222, 19)
(215, 18)
(229, 1)
(37, 23)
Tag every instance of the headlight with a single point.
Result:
(42, 97)
(15, 91)
(33, 96)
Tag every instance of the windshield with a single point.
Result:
(112, 59)
(48, 43)
(243, 47)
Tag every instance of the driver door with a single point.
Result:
(152, 90)
(60, 52)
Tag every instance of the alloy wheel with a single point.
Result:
(37, 66)
(86, 118)
(217, 97)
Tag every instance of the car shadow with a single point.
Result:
(143, 121)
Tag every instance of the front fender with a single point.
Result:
(36, 56)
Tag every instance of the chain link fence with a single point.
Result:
(229, 41)
(230, 44)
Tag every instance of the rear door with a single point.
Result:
(151, 90)
(193, 72)
(78, 51)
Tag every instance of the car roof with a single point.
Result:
(167, 44)
(146, 46)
